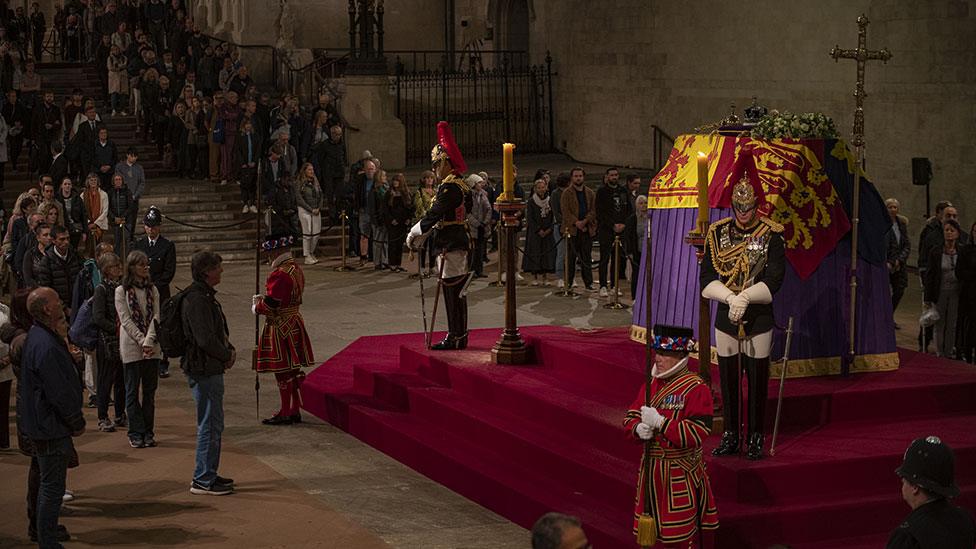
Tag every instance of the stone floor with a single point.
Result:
(386, 499)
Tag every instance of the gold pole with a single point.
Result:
(342, 243)
(616, 304)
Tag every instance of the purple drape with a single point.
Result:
(817, 304)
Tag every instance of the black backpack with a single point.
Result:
(169, 333)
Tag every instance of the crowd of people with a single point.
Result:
(947, 271)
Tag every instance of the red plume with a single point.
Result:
(445, 138)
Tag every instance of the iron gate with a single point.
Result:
(486, 107)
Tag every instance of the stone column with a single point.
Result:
(368, 106)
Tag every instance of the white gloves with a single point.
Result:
(758, 293)
(737, 307)
(255, 299)
(651, 417)
(415, 237)
(717, 291)
(644, 431)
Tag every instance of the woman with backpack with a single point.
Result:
(137, 304)
(110, 378)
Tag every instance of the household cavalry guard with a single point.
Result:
(742, 268)
(446, 219)
(677, 421)
(283, 348)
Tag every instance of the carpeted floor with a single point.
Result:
(547, 436)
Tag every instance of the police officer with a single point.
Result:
(926, 485)
(162, 262)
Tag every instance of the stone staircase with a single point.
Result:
(203, 203)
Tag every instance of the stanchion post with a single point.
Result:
(342, 243)
(502, 248)
(616, 304)
(567, 290)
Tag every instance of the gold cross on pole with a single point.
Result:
(862, 55)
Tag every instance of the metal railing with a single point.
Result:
(661, 145)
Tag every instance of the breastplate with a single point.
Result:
(740, 255)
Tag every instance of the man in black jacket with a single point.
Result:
(332, 164)
(104, 157)
(60, 168)
(15, 115)
(51, 413)
(612, 210)
(279, 195)
(60, 266)
(899, 247)
(162, 262)
(208, 354)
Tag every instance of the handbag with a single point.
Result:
(218, 132)
(930, 315)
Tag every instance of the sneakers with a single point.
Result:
(121, 421)
(216, 490)
(254, 209)
(224, 481)
(589, 287)
(68, 496)
(603, 291)
(245, 209)
(91, 402)
(106, 426)
(149, 441)
(560, 284)
(311, 260)
(136, 442)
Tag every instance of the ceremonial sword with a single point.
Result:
(782, 380)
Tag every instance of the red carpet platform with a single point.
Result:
(525, 440)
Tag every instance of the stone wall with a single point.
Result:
(678, 65)
(626, 65)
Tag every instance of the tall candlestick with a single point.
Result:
(702, 191)
(508, 171)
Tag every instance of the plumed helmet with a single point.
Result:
(930, 464)
(676, 339)
(447, 149)
(153, 218)
(277, 241)
(743, 195)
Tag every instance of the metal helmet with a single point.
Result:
(930, 464)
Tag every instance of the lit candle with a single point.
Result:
(508, 171)
(702, 191)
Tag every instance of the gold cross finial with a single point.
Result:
(862, 55)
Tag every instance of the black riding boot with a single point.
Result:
(757, 373)
(729, 380)
(456, 308)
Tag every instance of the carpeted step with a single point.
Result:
(528, 395)
(496, 481)
(545, 449)
(816, 522)
(859, 456)
(517, 439)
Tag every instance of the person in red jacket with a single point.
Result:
(284, 348)
(675, 423)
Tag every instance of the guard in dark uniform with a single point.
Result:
(162, 262)
(927, 482)
(446, 219)
(743, 267)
